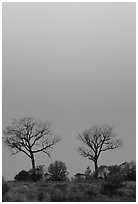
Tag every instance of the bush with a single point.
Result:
(38, 175)
(57, 171)
(22, 176)
(111, 184)
(114, 169)
(129, 171)
(62, 186)
(35, 177)
(75, 196)
(57, 195)
(5, 187)
(88, 174)
(80, 192)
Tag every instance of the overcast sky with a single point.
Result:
(74, 65)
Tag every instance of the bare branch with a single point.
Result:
(97, 140)
(29, 136)
(14, 153)
(86, 139)
(41, 134)
(84, 152)
(50, 145)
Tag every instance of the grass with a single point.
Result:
(67, 192)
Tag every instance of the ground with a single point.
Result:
(68, 191)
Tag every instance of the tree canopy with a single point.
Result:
(30, 136)
(98, 140)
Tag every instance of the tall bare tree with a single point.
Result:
(29, 137)
(98, 140)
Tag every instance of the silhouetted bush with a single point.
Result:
(57, 171)
(131, 175)
(88, 174)
(114, 169)
(23, 176)
(79, 178)
(111, 184)
(38, 175)
(35, 177)
(5, 187)
(129, 171)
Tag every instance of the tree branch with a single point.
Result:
(84, 152)
(87, 141)
(46, 147)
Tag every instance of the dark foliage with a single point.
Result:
(42, 191)
(38, 175)
(129, 171)
(57, 171)
(111, 184)
(131, 175)
(5, 187)
(79, 178)
(88, 174)
(57, 195)
(114, 169)
(23, 176)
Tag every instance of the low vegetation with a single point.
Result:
(69, 191)
(105, 184)
(116, 186)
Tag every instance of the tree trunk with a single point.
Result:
(33, 167)
(33, 163)
(96, 169)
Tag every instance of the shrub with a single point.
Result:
(76, 196)
(114, 169)
(38, 173)
(80, 178)
(22, 176)
(111, 184)
(90, 193)
(129, 171)
(88, 174)
(43, 197)
(57, 195)
(57, 171)
(62, 186)
(40, 196)
(35, 177)
(5, 187)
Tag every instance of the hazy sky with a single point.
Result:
(73, 64)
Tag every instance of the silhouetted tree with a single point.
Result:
(98, 140)
(57, 171)
(29, 137)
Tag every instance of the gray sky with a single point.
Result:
(73, 64)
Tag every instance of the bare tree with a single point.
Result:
(29, 137)
(98, 140)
